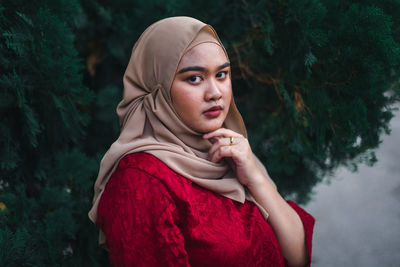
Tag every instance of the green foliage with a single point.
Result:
(46, 178)
(16, 248)
(320, 95)
(309, 77)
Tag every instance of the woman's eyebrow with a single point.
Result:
(193, 68)
(202, 69)
(223, 66)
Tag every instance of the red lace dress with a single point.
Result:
(152, 216)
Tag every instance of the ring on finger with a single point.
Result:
(230, 140)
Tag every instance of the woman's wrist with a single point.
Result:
(260, 182)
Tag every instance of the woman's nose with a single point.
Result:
(213, 92)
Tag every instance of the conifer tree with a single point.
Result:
(309, 76)
(45, 177)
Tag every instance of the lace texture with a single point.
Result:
(152, 216)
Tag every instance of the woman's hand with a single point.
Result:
(238, 153)
(283, 219)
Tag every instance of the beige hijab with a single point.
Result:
(149, 122)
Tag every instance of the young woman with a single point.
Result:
(181, 185)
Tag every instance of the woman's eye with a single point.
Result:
(221, 75)
(194, 79)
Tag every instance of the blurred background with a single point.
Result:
(358, 213)
(317, 82)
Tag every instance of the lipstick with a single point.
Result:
(213, 112)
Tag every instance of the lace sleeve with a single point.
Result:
(138, 217)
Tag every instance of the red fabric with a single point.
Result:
(152, 216)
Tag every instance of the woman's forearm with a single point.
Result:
(283, 219)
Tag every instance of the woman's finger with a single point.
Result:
(221, 152)
(223, 141)
(221, 132)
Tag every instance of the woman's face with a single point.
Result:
(201, 91)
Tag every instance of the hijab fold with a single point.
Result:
(149, 122)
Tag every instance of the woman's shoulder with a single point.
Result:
(140, 160)
(136, 158)
(150, 166)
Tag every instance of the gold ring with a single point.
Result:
(230, 140)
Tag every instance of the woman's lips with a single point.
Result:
(213, 112)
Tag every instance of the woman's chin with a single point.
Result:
(209, 127)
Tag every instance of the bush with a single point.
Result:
(309, 78)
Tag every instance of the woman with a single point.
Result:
(181, 186)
